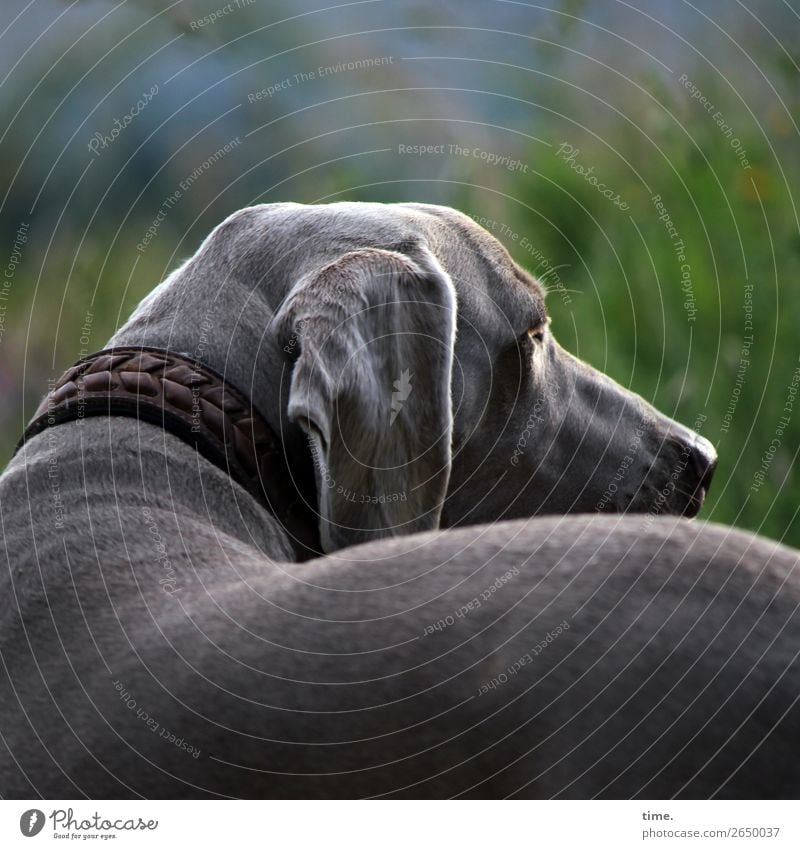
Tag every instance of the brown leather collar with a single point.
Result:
(192, 401)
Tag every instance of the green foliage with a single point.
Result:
(629, 314)
(618, 296)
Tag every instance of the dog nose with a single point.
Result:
(704, 457)
(699, 471)
(684, 467)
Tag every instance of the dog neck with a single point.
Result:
(114, 469)
(220, 322)
(223, 330)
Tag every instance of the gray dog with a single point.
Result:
(184, 612)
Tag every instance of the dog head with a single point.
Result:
(420, 368)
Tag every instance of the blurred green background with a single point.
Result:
(573, 116)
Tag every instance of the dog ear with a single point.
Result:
(374, 333)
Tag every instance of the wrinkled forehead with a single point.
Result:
(489, 284)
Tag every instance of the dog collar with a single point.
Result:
(195, 403)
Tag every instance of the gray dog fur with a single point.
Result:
(158, 640)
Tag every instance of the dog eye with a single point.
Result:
(536, 333)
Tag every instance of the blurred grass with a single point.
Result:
(625, 309)
(628, 315)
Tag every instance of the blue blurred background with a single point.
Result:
(642, 158)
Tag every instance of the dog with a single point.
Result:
(317, 523)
